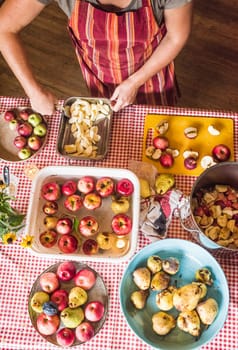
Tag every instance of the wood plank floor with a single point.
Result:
(207, 68)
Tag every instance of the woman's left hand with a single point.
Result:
(124, 95)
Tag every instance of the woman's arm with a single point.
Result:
(178, 22)
(14, 16)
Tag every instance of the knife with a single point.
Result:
(6, 175)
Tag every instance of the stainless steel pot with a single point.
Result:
(222, 173)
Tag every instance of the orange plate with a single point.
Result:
(203, 143)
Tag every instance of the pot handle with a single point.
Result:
(185, 215)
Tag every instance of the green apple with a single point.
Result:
(40, 129)
(24, 153)
(34, 119)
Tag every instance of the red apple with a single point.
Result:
(86, 184)
(34, 142)
(9, 115)
(125, 187)
(24, 153)
(90, 247)
(50, 207)
(121, 224)
(49, 282)
(221, 153)
(64, 226)
(51, 191)
(24, 129)
(47, 325)
(85, 279)
(69, 187)
(94, 311)
(84, 331)
(20, 141)
(160, 142)
(68, 244)
(166, 160)
(60, 298)
(190, 163)
(66, 271)
(92, 201)
(65, 337)
(73, 202)
(105, 186)
(88, 226)
(24, 113)
(48, 238)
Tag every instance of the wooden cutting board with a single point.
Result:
(203, 143)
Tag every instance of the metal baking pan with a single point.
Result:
(65, 136)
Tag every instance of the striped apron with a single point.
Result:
(110, 47)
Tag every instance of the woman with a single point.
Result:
(125, 48)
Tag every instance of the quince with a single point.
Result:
(163, 183)
(145, 190)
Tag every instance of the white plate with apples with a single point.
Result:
(23, 133)
(68, 303)
(84, 213)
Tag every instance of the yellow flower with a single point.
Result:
(9, 237)
(27, 241)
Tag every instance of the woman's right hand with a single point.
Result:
(43, 102)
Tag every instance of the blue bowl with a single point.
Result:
(192, 257)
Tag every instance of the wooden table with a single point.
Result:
(19, 268)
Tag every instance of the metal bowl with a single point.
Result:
(225, 173)
(8, 152)
(97, 292)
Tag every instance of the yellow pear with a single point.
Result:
(145, 190)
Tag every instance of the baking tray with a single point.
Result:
(104, 214)
(8, 152)
(203, 143)
(65, 135)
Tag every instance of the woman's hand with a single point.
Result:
(43, 102)
(124, 95)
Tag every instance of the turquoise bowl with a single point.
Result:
(192, 257)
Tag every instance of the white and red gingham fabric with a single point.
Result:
(19, 269)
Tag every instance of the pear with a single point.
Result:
(207, 311)
(37, 301)
(142, 277)
(189, 322)
(163, 323)
(71, 318)
(204, 275)
(160, 281)
(154, 263)
(164, 300)
(120, 205)
(186, 298)
(171, 265)
(145, 190)
(139, 297)
(77, 297)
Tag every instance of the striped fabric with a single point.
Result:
(110, 47)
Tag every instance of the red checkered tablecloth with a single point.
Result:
(19, 269)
